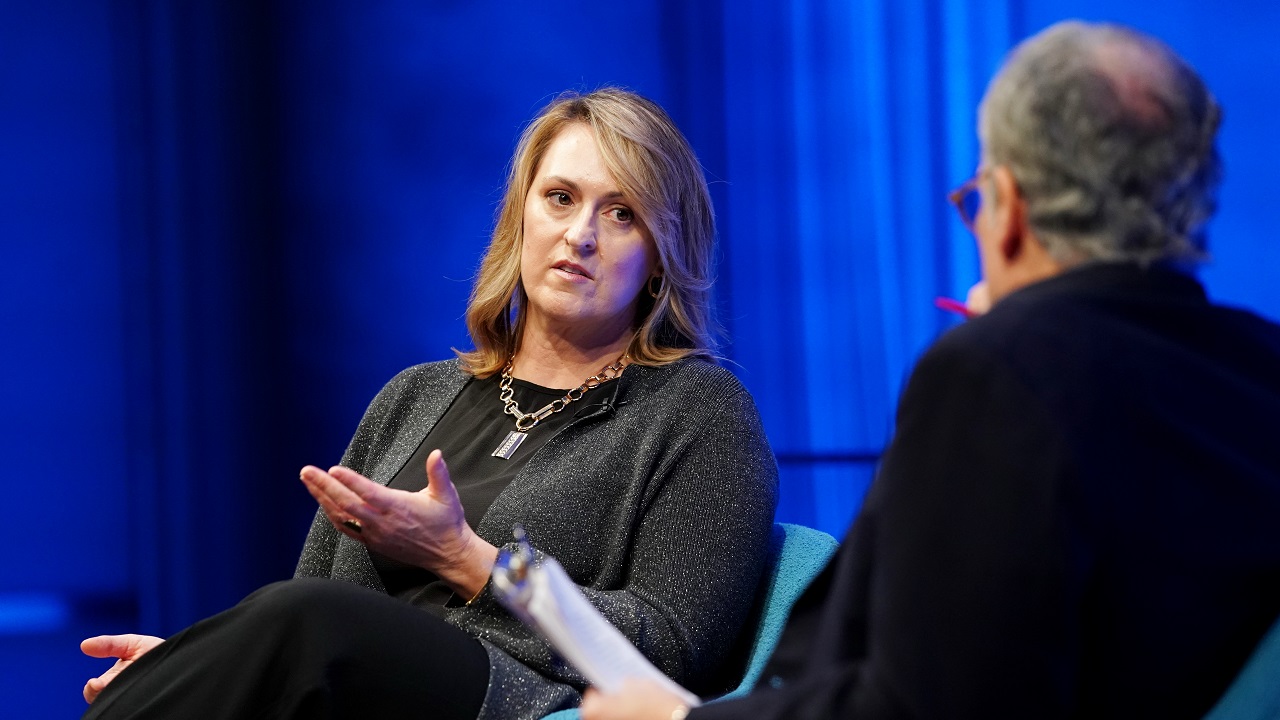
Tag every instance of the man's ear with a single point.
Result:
(1008, 214)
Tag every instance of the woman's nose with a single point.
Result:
(581, 233)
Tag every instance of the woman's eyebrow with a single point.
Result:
(566, 182)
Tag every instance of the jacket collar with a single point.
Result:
(1105, 279)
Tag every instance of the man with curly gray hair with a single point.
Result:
(1076, 517)
(1103, 141)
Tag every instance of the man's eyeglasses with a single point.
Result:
(968, 199)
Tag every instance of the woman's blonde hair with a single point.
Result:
(659, 174)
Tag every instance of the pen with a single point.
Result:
(955, 306)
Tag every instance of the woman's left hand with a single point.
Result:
(425, 528)
(124, 648)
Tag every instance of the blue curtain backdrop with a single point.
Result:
(226, 224)
(845, 123)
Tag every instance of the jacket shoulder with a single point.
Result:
(694, 371)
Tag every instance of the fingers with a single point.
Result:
(592, 706)
(344, 495)
(634, 700)
(127, 647)
(340, 487)
(438, 480)
(359, 485)
(978, 300)
(92, 689)
(96, 685)
(103, 646)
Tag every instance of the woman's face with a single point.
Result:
(586, 255)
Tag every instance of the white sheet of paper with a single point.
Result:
(548, 599)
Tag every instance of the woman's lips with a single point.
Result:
(571, 269)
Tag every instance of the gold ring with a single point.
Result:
(353, 524)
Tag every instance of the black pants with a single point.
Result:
(306, 649)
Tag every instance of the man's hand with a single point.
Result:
(636, 700)
(979, 299)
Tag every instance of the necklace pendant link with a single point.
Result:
(509, 444)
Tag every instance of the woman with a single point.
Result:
(588, 413)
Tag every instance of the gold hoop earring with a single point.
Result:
(654, 293)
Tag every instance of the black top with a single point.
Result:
(473, 427)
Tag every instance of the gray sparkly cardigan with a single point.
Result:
(657, 499)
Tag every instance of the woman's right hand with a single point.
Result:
(427, 528)
(125, 648)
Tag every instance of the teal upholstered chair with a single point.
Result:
(1255, 693)
(798, 554)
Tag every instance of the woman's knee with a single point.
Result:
(305, 604)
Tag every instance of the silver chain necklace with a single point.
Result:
(527, 421)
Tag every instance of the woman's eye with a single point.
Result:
(623, 214)
(559, 197)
